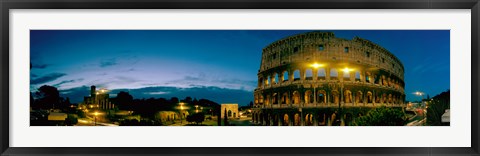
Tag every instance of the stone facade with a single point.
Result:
(308, 78)
(231, 109)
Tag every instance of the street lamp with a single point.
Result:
(181, 110)
(421, 94)
(95, 121)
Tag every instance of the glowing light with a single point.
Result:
(346, 70)
(418, 93)
(96, 113)
(316, 65)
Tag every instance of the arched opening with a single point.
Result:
(369, 97)
(378, 98)
(308, 120)
(335, 97)
(267, 81)
(321, 74)
(234, 115)
(285, 98)
(260, 100)
(296, 97)
(357, 76)
(267, 100)
(285, 76)
(275, 79)
(322, 96)
(296, 121)
(384, 98)
(275, 120)
(275, 98)
(359, 97)
(322, 118)
(285, 120)
(390, 99)
(308, 96)
(229, 113)
(367, 77)
(260, 116)
(296, 75)
(308, 74)
(333, 74)
(347, 96)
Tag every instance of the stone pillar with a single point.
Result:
(373, 97)
(315, 74)
(327, 73)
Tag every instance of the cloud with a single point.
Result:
(47, 78)
(39, 66)
(67, 81)
(108, 62)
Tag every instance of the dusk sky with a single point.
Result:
(218, 65)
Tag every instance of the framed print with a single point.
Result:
(240, 77)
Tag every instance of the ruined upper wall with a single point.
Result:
(325, 47)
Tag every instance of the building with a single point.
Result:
(317, 79)
(98, 99)
(230, 109)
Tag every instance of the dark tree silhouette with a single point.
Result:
(436, 108)
(382, 116)
(124, 100)
(47, 97)
(225, 118)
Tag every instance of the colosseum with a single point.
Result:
(316, 79)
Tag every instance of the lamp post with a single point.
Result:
(95, 120)
(420, 94)
(181, 111)
(425, 110)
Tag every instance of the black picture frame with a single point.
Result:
(6, 5)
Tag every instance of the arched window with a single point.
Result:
(229, 113)
(357, 76)
(285, 76)
(333, 74)
(308, 74)
(321, 73)
(296, 75)
(267, 81)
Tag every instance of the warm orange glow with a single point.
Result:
(346, 70)
(316, 65)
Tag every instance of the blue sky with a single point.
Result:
(220, 65)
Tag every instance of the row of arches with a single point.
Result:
(304, 119)
(321, 96)
(329, 74)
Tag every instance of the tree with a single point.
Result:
(382, 116)
(47, 97)
(436, 108)
(198, 118)
(124, 100)
(71, 120)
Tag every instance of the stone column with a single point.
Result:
(327, 73)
